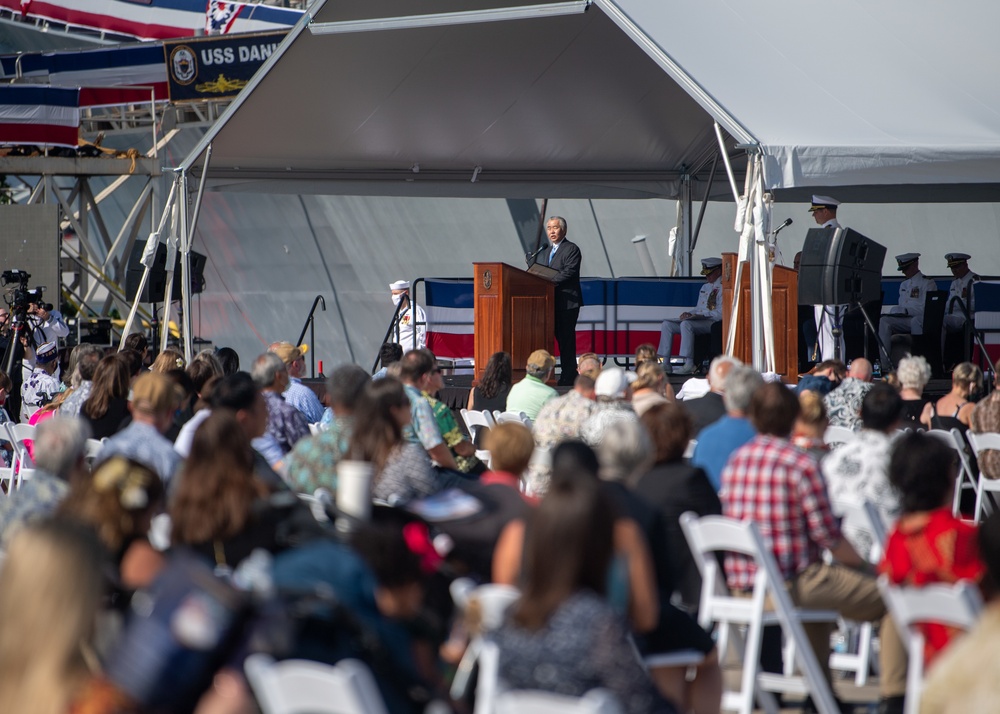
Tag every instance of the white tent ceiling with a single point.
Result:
(886, 101)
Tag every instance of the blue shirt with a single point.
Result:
(303, 399)
(717, 442)
(143, 444)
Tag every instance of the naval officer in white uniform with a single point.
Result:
(696, 321)
(908, 315)
(961, 287)
(828, 317)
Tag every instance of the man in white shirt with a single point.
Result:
(410, 321)
(697, 321)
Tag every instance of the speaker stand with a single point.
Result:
(883, 351)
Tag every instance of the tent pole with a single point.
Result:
(688, 232)
(171, 258)
(704, 203)
(154, 238)
(188, 223)
(725, 159)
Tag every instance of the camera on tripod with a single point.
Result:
(21, 297)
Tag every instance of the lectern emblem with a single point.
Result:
(487, 280)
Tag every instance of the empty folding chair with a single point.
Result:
(298, 686)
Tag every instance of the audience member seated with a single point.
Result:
(119, 503)
(389, 353)
(720, 439)
(220, 510)
(379, 582)
(87, 356)
(913, 374)
(402, 469)
(285, 423)
(624, 454)
(476, 537)
(60, 444)
(825, 377)
(41, 385)
(954, 409)
(985, 419)
(779, 487)
(491, 392)
(810, 426)
(296, 393)
(462, 450)
(710, 407)
(229, 359)
(843, 404)
(313, 462)
(613, 397)
(561, 419)
(650, 387)
(167, 360)
(133, 361)
(238, 394)
(416, 373)
(154, 399)
(107, 406)
(563, 635)
(672, 486)
(966, 677)
(858, 471)
(928, 544)
(51, 589)
(531, 393)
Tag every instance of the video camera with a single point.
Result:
(20, 297)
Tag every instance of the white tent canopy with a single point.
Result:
(617, 99)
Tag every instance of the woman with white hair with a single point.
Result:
(913, 374)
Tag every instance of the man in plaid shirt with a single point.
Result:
(780, 488)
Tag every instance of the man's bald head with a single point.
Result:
(719, 370)
(860, 369)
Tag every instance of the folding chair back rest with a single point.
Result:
(955, 605)
(953, 438)
(839, 435)
(596, 701)
(297, 686)
(984, 442)
(711, 534)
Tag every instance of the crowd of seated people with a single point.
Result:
(212, 484)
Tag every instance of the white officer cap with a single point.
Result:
(956, 258)
(823, 202)
(400, 285)
(905, 259)
(710, 264)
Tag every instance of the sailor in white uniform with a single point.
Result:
(697, 321)
(829, 318)
(961, 287)
(908, 315)
(41, 386)
(411, 318)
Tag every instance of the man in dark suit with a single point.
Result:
(564, 256)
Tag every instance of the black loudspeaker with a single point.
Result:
(156, 285)
(839, 266)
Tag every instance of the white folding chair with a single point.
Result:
(689, 449)
(493, 602)
(955, 605)
(965, 478)
(314, 428)
(712, 534)
(861, 654)
(839, 435)
(22, 465)
(979, 443)
(596, 701)
(502, 417)
(297, 686)
(476, 420)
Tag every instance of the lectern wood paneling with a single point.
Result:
(514, 312)
(784, 304)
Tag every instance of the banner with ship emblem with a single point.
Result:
(216, 67)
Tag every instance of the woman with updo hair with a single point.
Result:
(954, 409)
(650, 387)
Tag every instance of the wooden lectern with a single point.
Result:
(514, 312)
(785, 308)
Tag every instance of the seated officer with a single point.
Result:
(908, 316)
(697, 321)
(961, 287)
